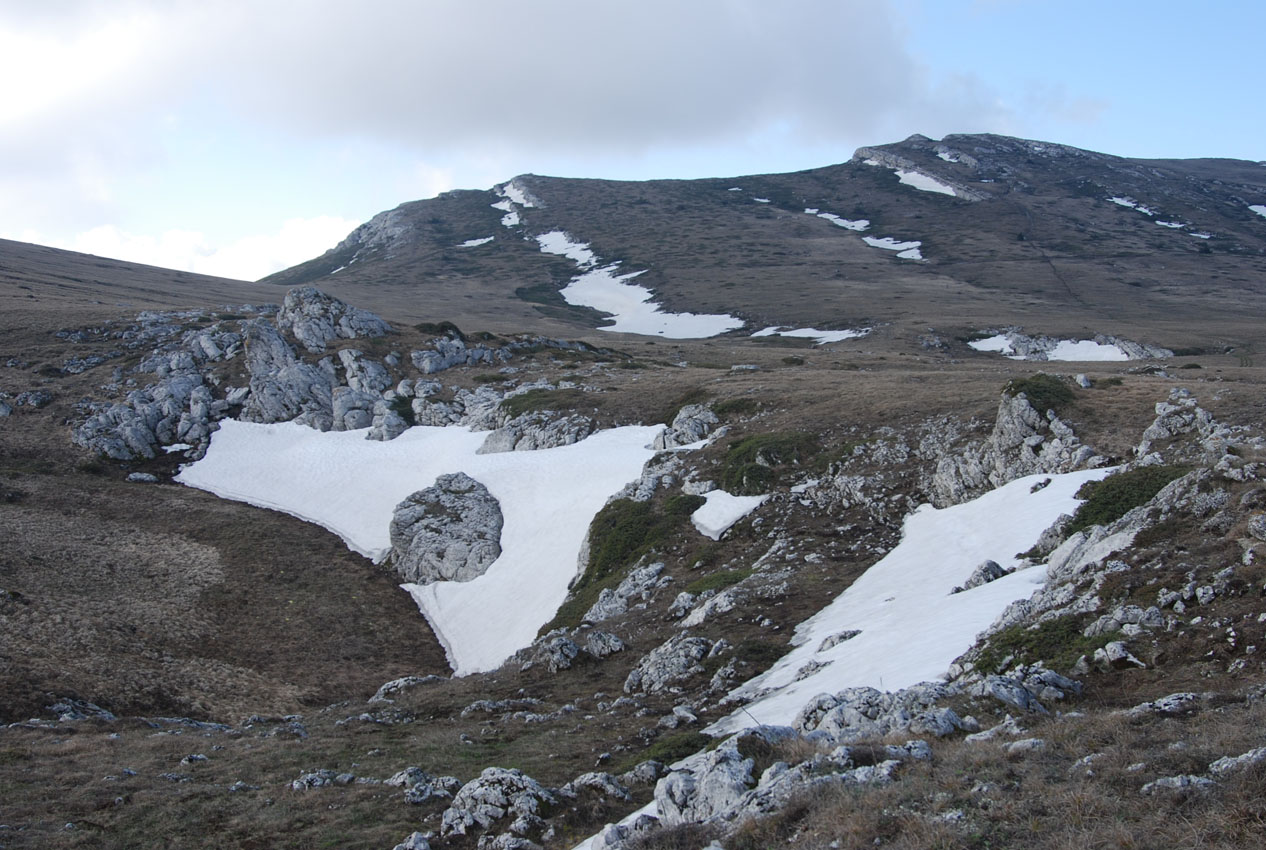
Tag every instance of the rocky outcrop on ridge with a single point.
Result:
(317, 319)
(450, 531)
(1023, 442)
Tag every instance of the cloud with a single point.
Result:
(247, 258)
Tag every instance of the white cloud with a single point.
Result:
(247, 258)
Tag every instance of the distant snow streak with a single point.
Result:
(822, 337)
(475, 243)
(905, 250)
(925, 182)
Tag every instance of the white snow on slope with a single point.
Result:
(924, 182)
(721, 511)
(511, 217)
(558, 242)
(948, 156)
(1260, 209)
(351, 486)
(630, 305)
(912, 627)
(1173, 225)
(1083, 350)
(475, 243)
(857, 224)
(515, 193)
(761, 200)
(822, 337)
(905, 250)
(1129, 202)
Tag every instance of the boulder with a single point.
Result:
(450, 531)
(672, 661)
(691, 424)
(497, 793)
(316, 319)
(636, 586)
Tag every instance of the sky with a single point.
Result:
(240, 137)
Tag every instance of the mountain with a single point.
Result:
(676, 514)
(1030, 236)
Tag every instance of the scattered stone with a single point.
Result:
(142, 478)
(672, 661)
(1178, 784)
(1230, 764)
(397, 686)
(1114, 656)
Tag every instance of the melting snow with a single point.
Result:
(761, 200)
(905, 250)
(514, 192)
(721, 511)
(870, 162)
(911, 627)
(630, 305)
(558, 242)
(1203, 235)
(351, 486)
(475, 243)
(1176, 225)
(948, 156)
(858, 224)
(1127, 202)
(822, 337)
(511, 217)
(1260, 209)
(1066, 349)
(924, 182)
(339, 269)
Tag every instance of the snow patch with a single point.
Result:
(925, 182)
(475, 243)
(822, 337)
(912, 627)
(351, 486)
(761, 200)
(858, 224)
(517, 194)
(630, 305)
(1260, 209)
(721, 511)
(1175, 225)
(1132, 204)
(905, 250)
(1086, 349)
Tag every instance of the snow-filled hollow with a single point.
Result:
(351, 485)
(911, 626)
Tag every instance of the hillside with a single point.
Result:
(399, 548)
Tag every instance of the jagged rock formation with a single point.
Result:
(676, 659)
(450, 531)
(1023, 442)
(317, 319)
(282, 387)
(538, 430)
(690, 425)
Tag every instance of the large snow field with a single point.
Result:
(1083, 350)
(912, 627)
(630, 305)
(351, 486)
(822, 337)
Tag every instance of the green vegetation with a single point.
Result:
(441, 329)
(403, 405)
(1045, 392)
(621, 533)
(1114, 381)
(1191, 366)
(1058, 643)
(752, 464)
(1113, 497)
(717, 581)
(672, 747)
(489, 378)
(733, 407)
(793, 360)
(534, 400)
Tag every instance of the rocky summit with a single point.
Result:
(913, 501)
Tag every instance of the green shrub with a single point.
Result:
(1058, 643)
(672, 747)
(717, 581)
(489, 378)
(1113, 497)
(793, 360)
(1114, 381)
(1044, 392)
(441, 329)
(403, 405)
(733, 407)
(751, 465)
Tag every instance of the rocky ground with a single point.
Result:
(181, 671)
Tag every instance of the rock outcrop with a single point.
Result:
(450, 531)
(317, 319)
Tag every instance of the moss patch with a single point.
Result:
(1044, 392)
(534, 400)
(752, 465)
(1058, 643)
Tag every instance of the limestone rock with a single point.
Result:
(538, 430)
(637, 586)
(450, 531)
(691, 424)
(316, 319)
(983, 574)
(672, 661)
(861, 712)
(497, 793)
(282, 387)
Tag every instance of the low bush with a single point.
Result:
(1111, 498)
(1058, 643)
(732, 407)
(1045, 392)
(534, 400)
(717, 581)
(752, 464)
